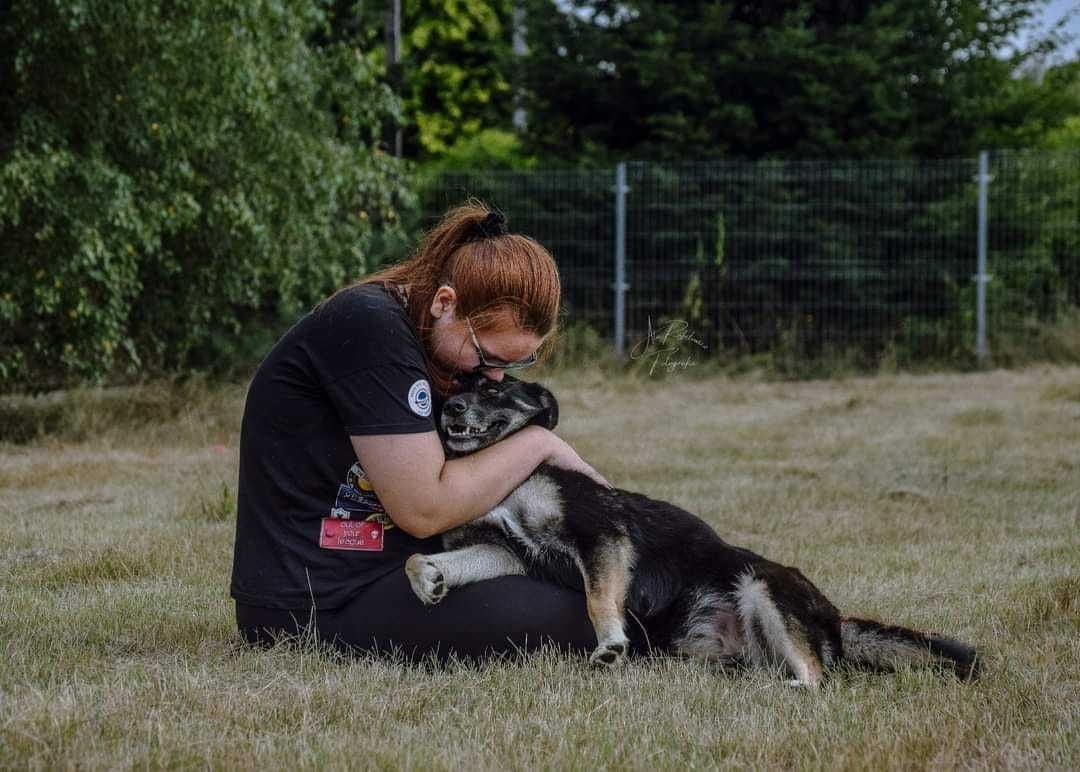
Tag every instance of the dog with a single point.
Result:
(692, 593)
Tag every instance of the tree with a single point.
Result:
(656, 79)
(455, 78)
(173, 179)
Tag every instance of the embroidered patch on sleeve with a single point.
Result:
(420, 398)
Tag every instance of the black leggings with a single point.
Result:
(474, 622)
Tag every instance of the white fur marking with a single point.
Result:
(433, 576)
(476, 563)
(755, 602)
(536, 502)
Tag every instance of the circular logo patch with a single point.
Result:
(420, 398)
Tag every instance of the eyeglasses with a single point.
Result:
(488, 365)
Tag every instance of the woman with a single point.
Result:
(342, 409)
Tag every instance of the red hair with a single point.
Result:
(492, 275)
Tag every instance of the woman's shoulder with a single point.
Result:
(361, 300)
(363, 323)
(370, 307)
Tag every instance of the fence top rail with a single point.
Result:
(814, 164)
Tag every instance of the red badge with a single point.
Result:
(335, 534)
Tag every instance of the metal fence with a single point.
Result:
(810, 258)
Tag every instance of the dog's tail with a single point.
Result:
(885, 647)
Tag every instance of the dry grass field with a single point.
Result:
(949, 502)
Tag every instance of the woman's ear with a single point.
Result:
(443, 301)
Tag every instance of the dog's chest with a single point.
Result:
(532, 514)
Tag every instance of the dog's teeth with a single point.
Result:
(467, 431)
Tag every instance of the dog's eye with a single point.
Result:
(491, 391)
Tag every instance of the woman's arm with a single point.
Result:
(425, 494)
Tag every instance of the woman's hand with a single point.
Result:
(564, 456)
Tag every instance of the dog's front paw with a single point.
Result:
(609, 654)
(426, 579)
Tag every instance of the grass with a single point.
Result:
(949, 502)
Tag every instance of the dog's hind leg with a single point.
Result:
(774, 637)
(432, 576)
(606, 570)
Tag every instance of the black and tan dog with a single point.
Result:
(692, 593)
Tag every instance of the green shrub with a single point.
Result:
(176, 178)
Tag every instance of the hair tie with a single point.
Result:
(494, 224)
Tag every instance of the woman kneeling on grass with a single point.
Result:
(342, 409)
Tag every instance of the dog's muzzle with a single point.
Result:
(466, 428)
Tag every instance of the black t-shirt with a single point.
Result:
(352, 366)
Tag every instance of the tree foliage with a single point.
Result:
(455, 79)
(657, 79)
(176, 178)
(173, 176)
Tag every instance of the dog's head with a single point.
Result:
(489, 410)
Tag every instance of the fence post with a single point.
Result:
(982, 348)
(620, 259)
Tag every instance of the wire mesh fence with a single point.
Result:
(861, 259)
(569, 212)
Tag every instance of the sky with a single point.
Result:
(1053, 12)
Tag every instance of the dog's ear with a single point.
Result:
(548, 417)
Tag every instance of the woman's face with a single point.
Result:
(453, 346)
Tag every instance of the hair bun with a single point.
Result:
(494, 224)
